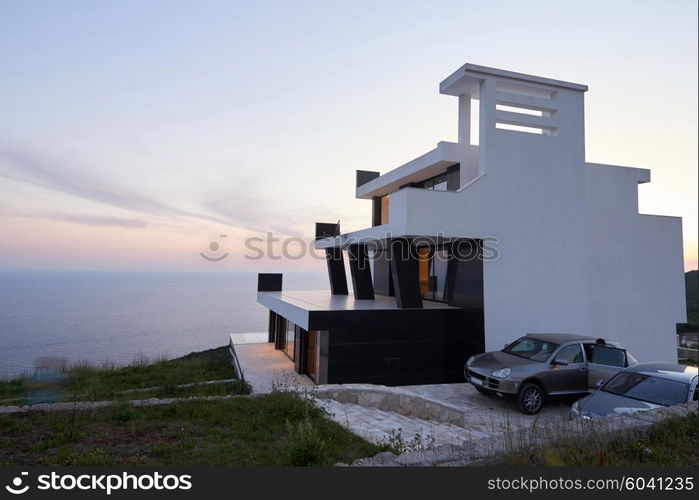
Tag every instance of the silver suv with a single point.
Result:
(539, 366)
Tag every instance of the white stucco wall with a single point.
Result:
(574, 254)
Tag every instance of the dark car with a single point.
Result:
(644, 386)
(540, 366)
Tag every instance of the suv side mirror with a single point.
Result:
(599, 383)
(560, 362)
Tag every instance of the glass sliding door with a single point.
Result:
(432, 272)
(438, 275)
(290, 337)
(312, 355)
(423, 255)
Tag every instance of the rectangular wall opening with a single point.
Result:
(522, 111)
(525, 129)
(475, 122)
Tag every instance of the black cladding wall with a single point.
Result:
(400, 347)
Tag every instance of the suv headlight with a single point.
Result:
(470, 360)
(501, 373)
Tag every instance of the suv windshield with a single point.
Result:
(529, 348)
(654, 390)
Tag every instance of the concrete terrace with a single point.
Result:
(263, 366)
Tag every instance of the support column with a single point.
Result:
(361, 272)
(465, 119)
(336, 271)
(404, 268)
(271, 327)
(334, 258)
(280, 327)
(270, 282)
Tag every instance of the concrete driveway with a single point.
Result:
(489, 411)
(451, 415)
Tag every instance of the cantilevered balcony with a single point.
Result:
(432, 163)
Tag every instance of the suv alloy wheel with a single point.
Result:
(530, 399)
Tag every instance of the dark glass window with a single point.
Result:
(447, 181)
(438, 183)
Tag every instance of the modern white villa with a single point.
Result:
(472, 246)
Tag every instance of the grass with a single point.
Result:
(84, 381)
(280, 428)
(672, 442)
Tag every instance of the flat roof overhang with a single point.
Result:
(307, 308)
(423, 167)
(466, 79)
(377, 237)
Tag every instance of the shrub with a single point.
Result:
(304, 446)
(123, 412)
(397, 444)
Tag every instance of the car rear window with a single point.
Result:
(529, 348)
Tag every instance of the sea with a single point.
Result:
(119, 318)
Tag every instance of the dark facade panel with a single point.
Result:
(453, 177)
(404, 270)
(400, 347)
(361, 272)
(336, 271)
(468, 275)
(269, 282)
(364, 176)
(326, 229)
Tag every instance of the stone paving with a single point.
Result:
(373, 412)
(478, 416)
(377, 426)
(488, 412)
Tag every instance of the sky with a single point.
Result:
(138, 135)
